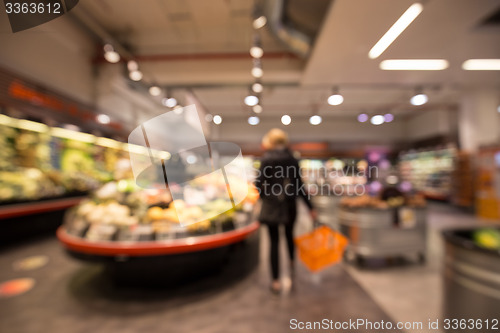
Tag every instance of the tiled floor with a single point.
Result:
(72, 296)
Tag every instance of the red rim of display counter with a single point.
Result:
(151, 248)
(28, 208)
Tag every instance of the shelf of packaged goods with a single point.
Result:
(29, 208)
(154, 248)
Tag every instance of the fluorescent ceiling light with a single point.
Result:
(397, 28)
(481, 65)
(414, 65)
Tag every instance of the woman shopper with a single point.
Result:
(279, 185)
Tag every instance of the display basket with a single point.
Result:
(321, 248)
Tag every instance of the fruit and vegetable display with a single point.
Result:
(37, 163)
(28, 184)
(488, 238)
(121, 211)
(367, 201)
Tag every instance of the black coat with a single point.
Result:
(279, 184)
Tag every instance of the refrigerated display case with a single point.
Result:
(384, 228)
(429, 171)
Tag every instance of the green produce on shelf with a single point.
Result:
(488, 238)
(27, 184)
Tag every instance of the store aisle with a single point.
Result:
(412, 292)
(70, 296)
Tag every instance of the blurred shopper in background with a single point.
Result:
(279, 185)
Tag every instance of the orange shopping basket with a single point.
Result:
(321, 247)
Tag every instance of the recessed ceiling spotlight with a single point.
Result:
(257, 72)
(388, 117)
(103, 119)
(209, 117)
(253, 120)
(363, 117)
(110, 54)
(419, 99)
(397, 28)
(169, 102)
(217, 119)
(135, 75)
(251, 100)
(377, 119)
(132, 65)
(259, 22)
(335, 99)
(315, 120)
(257, 87)
(286, 120)
(256, 52)
(155, 91)
(257, 108)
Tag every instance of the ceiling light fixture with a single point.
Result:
(103, 119)
(414, 65)
(388, 117)
(135, 75)
(110, 54)
(377, 120)
(155, 91)
(132, 65)
(257, 87)
(481, 65)
(251, 100)
(419, 98)
(257, 108)
(256, 50)
(286, 120)
(169, 102)
(335, 98)
(259, 22)
(363, 117)
(397, 28)
(315, 120)
(217, 119)
(253, 120)
(257, 71)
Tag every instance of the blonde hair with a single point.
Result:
(275, 138)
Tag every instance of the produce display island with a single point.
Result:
(384, 232)
(472, 274)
